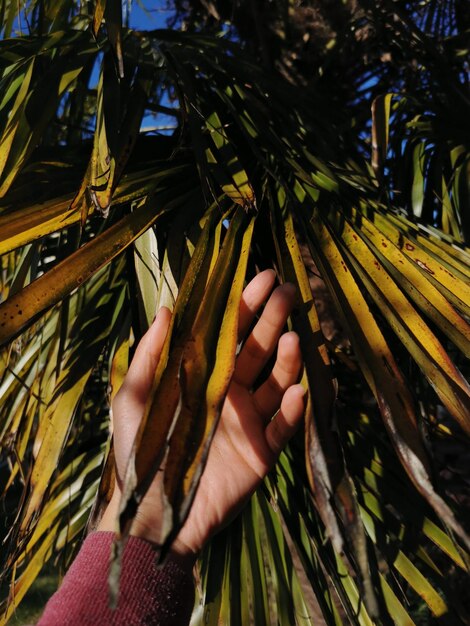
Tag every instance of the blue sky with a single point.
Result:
(148, 14)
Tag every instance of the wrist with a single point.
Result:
(108, 521)
(141, 527)
(180, 552)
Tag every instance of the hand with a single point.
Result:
(248, 439)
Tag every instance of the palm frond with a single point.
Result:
(99, 225)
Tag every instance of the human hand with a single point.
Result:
(247, 441)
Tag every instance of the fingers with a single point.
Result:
(268, 397)
(254, 295)
(263, 340)
(139, 378)
(285, 423)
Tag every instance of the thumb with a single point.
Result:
(139, 378)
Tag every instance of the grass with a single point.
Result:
(33, 604)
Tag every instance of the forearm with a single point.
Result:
(148, 594)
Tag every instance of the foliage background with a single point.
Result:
(338, 131)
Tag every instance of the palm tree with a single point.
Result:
(274, 160)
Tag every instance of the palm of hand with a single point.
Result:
(247, 441)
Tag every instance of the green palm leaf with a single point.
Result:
(101, 223)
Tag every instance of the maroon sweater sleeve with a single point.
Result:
(161, 596)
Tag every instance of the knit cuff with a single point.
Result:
(161, 596)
